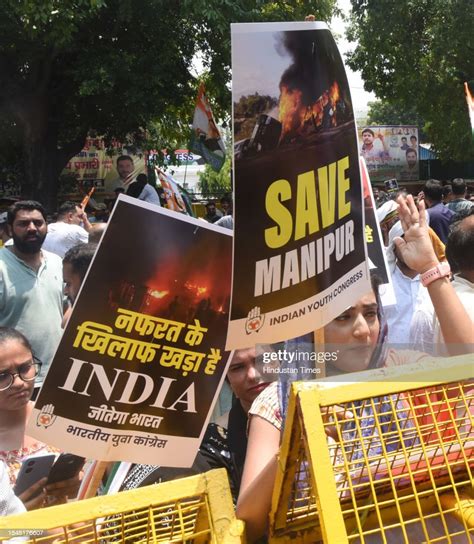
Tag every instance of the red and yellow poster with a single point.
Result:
(299, 251)
(142, 359)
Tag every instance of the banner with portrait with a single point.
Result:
(299, 251)
(390, 152)
(142, 359)
(95, 166)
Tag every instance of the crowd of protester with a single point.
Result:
(42, 267)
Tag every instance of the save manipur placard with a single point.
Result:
(299, 252)
(142, 359)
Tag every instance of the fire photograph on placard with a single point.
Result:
(297, 182)
(143, 356)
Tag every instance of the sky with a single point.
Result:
(359, 96)
(257, 67)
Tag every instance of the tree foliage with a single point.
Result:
(391, 113)
(417, 53)
(214, 184)
(123, 68)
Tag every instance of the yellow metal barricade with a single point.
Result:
(384, 460)
(196, 509)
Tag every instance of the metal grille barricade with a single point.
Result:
(197, 510)
(386, 460)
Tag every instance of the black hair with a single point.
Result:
(124, 158)
(67, 207)
(80, 257)
(459, 186)
(9, 333)
(460, 243)
(375, 282)
(433, 190)
(226, 198)
(447, 190)
(135, 188)
(368, 130)
(29, 205)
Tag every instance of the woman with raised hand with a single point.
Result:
(360, 333)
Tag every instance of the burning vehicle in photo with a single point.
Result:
(297, 120)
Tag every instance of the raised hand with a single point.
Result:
(415, 246)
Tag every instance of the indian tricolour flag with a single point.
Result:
(206, 139)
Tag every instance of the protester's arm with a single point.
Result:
(417, 251)
(253, 505)
(384, 144)
(85, 220)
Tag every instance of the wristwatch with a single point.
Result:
(441, 270)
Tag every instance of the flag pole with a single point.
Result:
(185, 172)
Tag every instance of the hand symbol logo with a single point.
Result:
(46, 417)
(254, 321)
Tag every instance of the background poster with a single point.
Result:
(142, 359)
(390, 152)
(94, 167)
(299, 252)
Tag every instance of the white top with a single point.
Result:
(62, 236)
(9, 502)
(150, 195)
(409, 321)
(465, 291)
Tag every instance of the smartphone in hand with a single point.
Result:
(33, 469)
(66, 467)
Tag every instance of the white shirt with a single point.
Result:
(150, 195)
(9, 503)
(62, 236)
(465, 291)
(409, 321)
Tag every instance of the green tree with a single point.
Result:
(215, 184)
(392, 113)
(114, 66)
(417, 54)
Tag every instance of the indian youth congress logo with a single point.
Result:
(255, 320)
(46, 417)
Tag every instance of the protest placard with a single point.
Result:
(373, 237)
(299, 251)
(142, 359)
